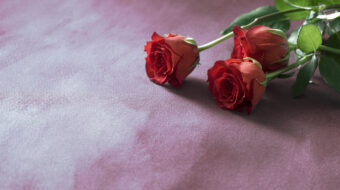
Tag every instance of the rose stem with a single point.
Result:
(301, 61)
(215, 42)
(272, 75)
(257, 21)
(329, 49)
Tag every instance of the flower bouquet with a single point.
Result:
(262, 51)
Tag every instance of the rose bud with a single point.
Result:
(268, 46)
(235, 84)
(170, 59)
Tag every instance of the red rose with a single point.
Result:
(234, 84)
(268, 46)
(170, 59)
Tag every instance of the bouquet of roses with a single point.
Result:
(261, 52)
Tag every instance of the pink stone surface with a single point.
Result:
(77, 111)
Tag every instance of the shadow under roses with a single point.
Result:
(277, 110)
(196, 90)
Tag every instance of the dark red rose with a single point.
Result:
(235, 84)
(268, 46)
(170, 59)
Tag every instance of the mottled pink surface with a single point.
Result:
(78, 112)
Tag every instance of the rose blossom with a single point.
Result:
(235, 84)
(268, 46)
(170, 59)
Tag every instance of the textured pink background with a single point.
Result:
(78, 112)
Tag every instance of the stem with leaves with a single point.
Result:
(272, 75)
(259, 20)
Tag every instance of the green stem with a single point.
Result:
(301, 61)
(257, 21)
(215, 42)
(329, 49)
(297, 6)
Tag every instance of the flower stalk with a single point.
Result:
(272, 75)
(306, 58)
(329, 49)
(259, 20)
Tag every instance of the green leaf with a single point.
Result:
(309, 38)
(282, 5)
(334, 42)
(304, 76)
(330, 71)
(330, 63)
(334, 26)
(283, 25)
(278, 22)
